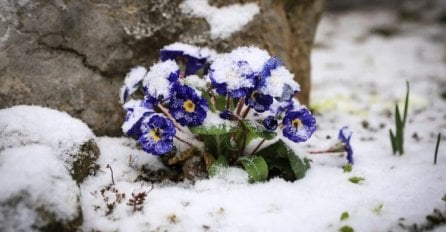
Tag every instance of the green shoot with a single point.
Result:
(344, 216)
(397, 138)
(356, 179)
(347, 168)
(436, 148)
(346, 229)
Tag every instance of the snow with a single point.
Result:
(255, 56)
(36, 178)
(223, 21)
(23, 125)
(156, 80)
(357, 78)
(195, 82)
(136, 114)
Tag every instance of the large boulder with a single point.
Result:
(73, 55)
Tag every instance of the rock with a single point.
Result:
(70, 139)
(37, 193)
(73, 55)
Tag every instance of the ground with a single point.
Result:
(361, 63)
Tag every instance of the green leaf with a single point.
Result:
(344, 216)
(223, 128)
(256, 167)
(220, 163)
(444, 197)
(221, 101)
(282, 159)
(393, 141)
(346, 229)
(356, 179)
(347, 168)
(218, 144)
(406, 102)
(256, 130)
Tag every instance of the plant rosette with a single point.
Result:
(220, 108)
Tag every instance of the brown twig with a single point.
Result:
(166, 112)
(111, 170)
(258, 146)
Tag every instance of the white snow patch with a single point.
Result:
(223, 21)
(37, 178)
(195, 82)
(255, 56)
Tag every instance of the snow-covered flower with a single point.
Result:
(270, 123)
(137, 110)
(187, 107)
(299, 125)
(275, 80)
(157, 134)
(131, 82)
(258, 101)
(160, 79)
(344, 136)
(231, 76)
(190, 56)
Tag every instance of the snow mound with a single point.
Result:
(223, 21)
(36, 189)
(23, 125)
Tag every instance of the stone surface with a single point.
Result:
(73, 55)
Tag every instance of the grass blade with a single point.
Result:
(406, 103)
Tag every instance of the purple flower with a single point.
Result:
(231, 77)
(137, 110)
(276, 81)
(187, 107)
(159, 81)
(270, 123)
(299, 125)
(157, 134)
(258, 101)
(345, 135)
(185, 54)
(228, 115)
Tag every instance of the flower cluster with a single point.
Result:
(189, 85)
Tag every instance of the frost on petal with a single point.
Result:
(136, 111)
(195, 81)
(133, 78)
(160, 78)
(254, 56)
(280, 84)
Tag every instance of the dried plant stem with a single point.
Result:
(111, 170)
(436, 148)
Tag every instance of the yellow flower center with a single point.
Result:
(189, 106)
(297, 123)
(155, 134)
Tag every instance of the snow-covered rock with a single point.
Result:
(69, 139)
(37, 191)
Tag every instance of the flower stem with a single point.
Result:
(213, 99)
(246, 112)
(166, 112)
(228, 101)
(240, 106)
(184, 141)
(258, 146)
